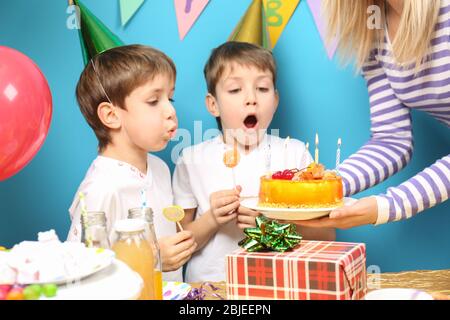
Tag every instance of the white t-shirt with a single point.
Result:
(114, 186)
(200, 171)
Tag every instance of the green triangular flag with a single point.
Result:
(95, 37)
(128, 8)
(253, 26)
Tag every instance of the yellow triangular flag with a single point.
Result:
(278, 14)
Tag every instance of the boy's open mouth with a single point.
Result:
(250, 122)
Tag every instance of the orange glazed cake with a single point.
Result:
(313, 187)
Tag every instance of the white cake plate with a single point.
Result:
(292, 213)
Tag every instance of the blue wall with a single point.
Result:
(316, 95)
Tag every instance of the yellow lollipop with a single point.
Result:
(174, 214)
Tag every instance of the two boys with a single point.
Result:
(125, 95)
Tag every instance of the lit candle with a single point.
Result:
(268, 159)
(307, 146)
(286, 142)
(316, 156)
(338, 153)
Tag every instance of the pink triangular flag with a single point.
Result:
(314, 6)
(187, 12)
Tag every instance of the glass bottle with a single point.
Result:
(146, 214)
(93, 230)
(132, 247)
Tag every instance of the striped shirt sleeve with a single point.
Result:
(391, 144)
(388, 151)
(424, 190)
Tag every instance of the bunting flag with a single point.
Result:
(252, 27)
(278, 13)
(187, 12)
(95, 37)
(128, 9)
(314, 6)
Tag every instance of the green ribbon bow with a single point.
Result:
(270, 235)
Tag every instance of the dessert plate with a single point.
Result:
(291, 213)
(398, 294)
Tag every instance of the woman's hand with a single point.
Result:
(362, 212)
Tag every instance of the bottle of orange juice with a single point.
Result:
(146, 214)
(132, 247)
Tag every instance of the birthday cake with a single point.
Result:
(312, 187)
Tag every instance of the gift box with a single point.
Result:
(313, 270)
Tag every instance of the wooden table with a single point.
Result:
(436, 283)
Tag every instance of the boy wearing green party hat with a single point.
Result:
(125, 94)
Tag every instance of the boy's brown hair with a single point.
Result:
(242, 53)
(112, 75)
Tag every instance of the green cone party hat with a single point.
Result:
(95, 37)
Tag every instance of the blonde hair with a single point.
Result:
(348, 24)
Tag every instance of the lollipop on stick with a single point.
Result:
(174, 214)
(268, 161)
(231, 160)
(285, 152)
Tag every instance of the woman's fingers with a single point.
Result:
(315, 223)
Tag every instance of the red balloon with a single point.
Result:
(25, 111)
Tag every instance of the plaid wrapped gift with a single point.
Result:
(313, 270)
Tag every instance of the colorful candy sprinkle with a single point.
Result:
(15, 294)
(32, 292)
(49, 290)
